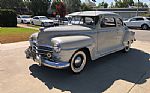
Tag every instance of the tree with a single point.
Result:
(39, 7)
(11, 4)
(141, 4)
(58, 8)
(145, 5)
(123, 3)
(85, 7)
(72, 5)
(103, 4)
(112, 5)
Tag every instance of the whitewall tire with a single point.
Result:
(78, 61)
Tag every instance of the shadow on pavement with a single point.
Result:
(98, 75)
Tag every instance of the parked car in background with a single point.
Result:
(138, 22)
(23, 19)
(56, 21)
(101, 33)
(42, 21)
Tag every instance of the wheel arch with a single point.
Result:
(144, 24)
(86, 50)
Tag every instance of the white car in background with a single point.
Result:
(42, 21)
(138, 22)
(23, 19)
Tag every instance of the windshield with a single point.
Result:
(43, 18)
(25, 16)
(148, 18)
(87, 21)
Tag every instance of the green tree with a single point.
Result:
(112, 5)
(11, 4)
(123, 3)
(85, 7)
(58, 8)
(141, 4)
(103, 4)
(72, 5)
(39, 7)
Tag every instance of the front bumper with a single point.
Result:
(45, 62)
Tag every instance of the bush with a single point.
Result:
(8, 18)
(146, 15)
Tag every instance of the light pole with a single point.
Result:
(137, 13)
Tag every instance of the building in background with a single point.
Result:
(125, 12)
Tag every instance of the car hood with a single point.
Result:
(47, 20)
(45, 36)
(68, 28)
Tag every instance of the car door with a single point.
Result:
(136, 22)
(120, 32)
(106, 34)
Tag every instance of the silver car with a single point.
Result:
(100, 34)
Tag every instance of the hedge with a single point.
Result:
(8, 18)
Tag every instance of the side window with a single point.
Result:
(35, 18)
(108, 22)
(139, 19)
(119, 22)
(133, 19)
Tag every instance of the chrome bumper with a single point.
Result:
(48, 63)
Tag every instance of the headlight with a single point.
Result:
(57, 47)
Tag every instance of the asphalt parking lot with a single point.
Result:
(115, 73)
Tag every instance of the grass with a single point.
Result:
(15, 34)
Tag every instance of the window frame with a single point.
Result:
(114, 18)
(122, 24)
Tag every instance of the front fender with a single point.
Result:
(70, 44)
(73, 42)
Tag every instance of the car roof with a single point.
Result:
(90, 13)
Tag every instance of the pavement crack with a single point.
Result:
(137, 82)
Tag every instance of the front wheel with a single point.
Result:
(127, 47)
(78, 61)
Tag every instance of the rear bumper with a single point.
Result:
(48, 63)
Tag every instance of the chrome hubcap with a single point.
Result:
(78, 61)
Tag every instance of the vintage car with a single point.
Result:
(100, 34)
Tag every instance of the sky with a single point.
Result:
(109, 1)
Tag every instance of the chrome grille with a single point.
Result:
(41, 50)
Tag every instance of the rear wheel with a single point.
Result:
(78, 61)
(144, 26)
